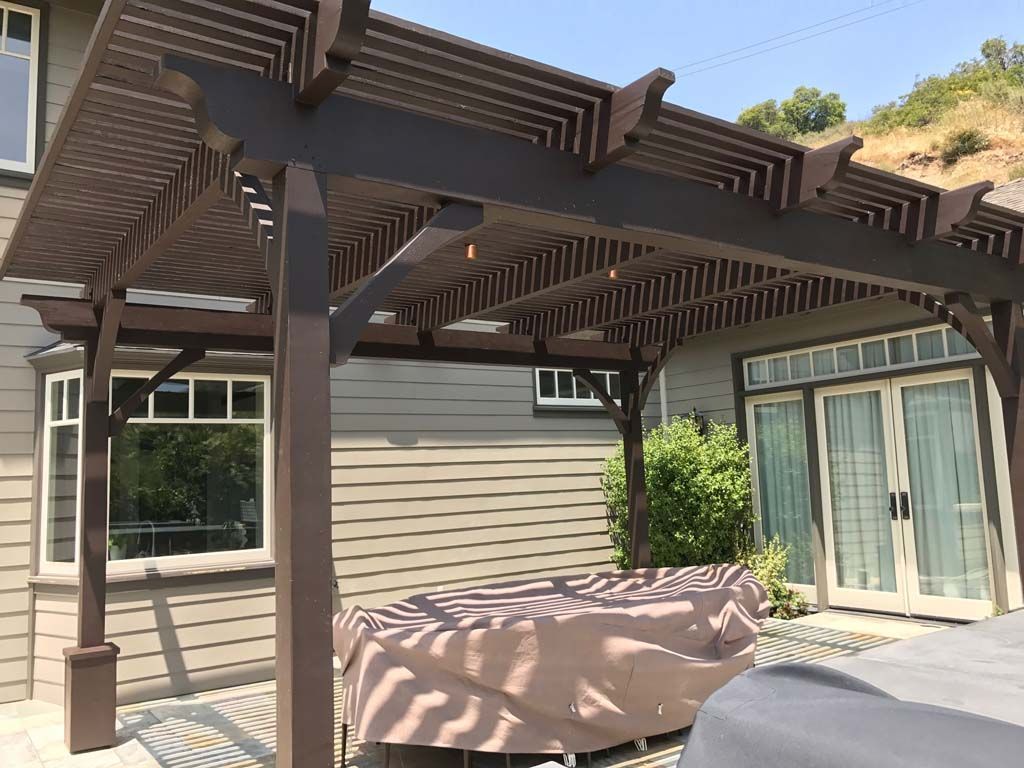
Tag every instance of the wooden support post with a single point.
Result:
(1008, 331)
(90, 667)
(302, 510)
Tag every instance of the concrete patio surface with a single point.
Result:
(235, 728)
(977, 668)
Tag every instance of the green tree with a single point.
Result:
(761, 117)
(995, 52)
(808, 110)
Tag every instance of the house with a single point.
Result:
(876, 430)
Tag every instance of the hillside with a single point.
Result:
(914, 152)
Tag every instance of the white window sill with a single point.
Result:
(157, 574)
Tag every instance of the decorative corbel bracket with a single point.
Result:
(818, 170)
(337, 30)
(999, 359)
(946, 211)
(627, 117)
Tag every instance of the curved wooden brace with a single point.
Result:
(588, 379)
(338, 28)
(628, 117)
(998, 360)
(819, 170)
(190, 81)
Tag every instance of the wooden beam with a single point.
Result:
(302, 474)
(335, 32)
(588, 379)
(109, 319)
(627, 117)
(193, 189)
(180, 328)
(347, 323)
(119, 418)
(818, 170)
(635, 299)
(946, 211)
(543, 187)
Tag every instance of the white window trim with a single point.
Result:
(567, 402)
(173, 563)
(29, 166)
(860, 370)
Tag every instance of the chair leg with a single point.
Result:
(344, 744)
(508, 760)
(467, 759)
(387, 756)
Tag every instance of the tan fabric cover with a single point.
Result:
(570, 664)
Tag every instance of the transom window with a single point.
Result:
(187, 472)
(556, 386)
(886, 352)
(19, 74)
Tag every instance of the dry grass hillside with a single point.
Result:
(914, 152)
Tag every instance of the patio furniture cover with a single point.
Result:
(569, 664)
(804, 716)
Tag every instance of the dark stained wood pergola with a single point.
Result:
(310, 154)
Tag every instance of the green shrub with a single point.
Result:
(769, 567)
(698, 488)
(1016, 172)
(959, 144)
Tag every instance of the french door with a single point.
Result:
(902, 497)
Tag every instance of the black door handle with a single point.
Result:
(905, 504)
(894, 513)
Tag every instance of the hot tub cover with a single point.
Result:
(570, 664)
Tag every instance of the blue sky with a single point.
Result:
(868, 63)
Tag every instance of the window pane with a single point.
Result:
(565, 385)
(824, 362)
(547, 383)
(901, 350)
(757, 372)
(784, 493)
(800, 366)
(848, 358)
(957, 344)
(62, 494)
(74, 396)
(122, 389)
(170, 401)
(14, 81)
(778, 368)
(211, 399)
(873, 353)
(180, 489)
(19, 33)
(57, 400)
(247, 399)
(929, 345)
(614, 385)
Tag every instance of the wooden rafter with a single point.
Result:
(334, 33)
(193, 189)
(626, 118)
(941, 214)
(665, 292)
(818, 170)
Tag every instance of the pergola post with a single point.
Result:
(1008, 331)
(302, 509)
(90, 667)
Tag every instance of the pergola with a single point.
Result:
(310, 154)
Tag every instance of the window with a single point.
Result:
(900, 349)
(559, 387)
(19, 74)
(187, 473)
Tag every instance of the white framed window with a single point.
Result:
(890, 351)
(557, 386)
(189, 474)
(19, 82)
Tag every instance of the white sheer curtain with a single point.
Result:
(948, 519)
(783, 490)
(859, 491)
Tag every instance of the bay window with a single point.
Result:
(187, 473)
(19, 75)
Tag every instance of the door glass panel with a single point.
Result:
(945, 491)
(783, 488)
(859, 491)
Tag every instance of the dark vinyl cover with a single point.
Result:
(801, 715)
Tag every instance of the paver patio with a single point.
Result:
(235, 727)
